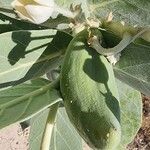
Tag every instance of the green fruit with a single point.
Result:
(90, 95)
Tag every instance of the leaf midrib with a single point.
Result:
(26, 96)
(139, 79)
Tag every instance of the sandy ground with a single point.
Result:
(14, 138)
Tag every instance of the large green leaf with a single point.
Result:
(131, 113)
(134, 12)
(49, 59)
(133, 67)
(19, 50)
(25, 100)
(64, 136)
(37, 127)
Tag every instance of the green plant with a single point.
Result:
(105, 59)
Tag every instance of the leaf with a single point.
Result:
(9, 24)
(61, 129)
(67, 3)
(21, 102)
(134, 12)
(6, 8)
(64, 136)
(40, 130)
(15, 52)
(60, 23)
(48, 60)
(133, 68)
(5, 3)
(131, 113)
(14, 23)
(38, 123)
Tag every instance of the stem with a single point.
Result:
(126, 40)
(94, 43)
(49, 127)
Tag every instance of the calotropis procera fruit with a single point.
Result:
(36, 11)
(90, 94)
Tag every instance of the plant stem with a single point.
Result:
(126, 40)
(49, 127)
(94, 43)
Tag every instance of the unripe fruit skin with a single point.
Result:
(90, 96)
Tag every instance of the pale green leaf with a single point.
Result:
(37, 127)
(49, 59)
(64, 136)
(19, 50)
(134, 12)
(62, 133)
(131, 113)
(25, 100)
(6, 8)
(5, 3)
(67, 3)
(133, 67)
